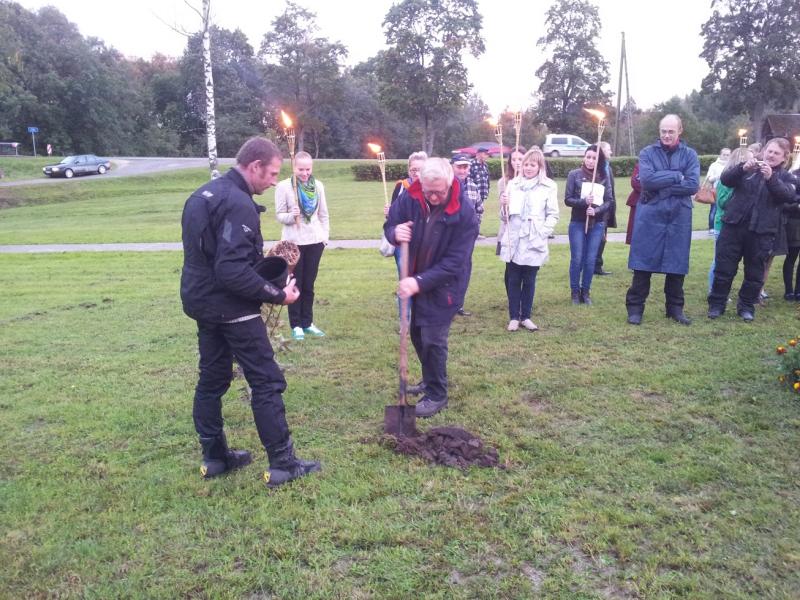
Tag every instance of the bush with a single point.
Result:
(370, 171)
(560, 167)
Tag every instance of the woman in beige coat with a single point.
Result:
(301, 207)
(531, 203)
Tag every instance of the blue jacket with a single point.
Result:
(443, 283)
(221, 244)
(662, 229)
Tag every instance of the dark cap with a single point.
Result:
(460, 159)
(483, 149)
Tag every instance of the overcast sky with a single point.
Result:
(663, 38)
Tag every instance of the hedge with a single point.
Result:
(560, 167)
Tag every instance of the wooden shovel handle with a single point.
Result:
(403, 360)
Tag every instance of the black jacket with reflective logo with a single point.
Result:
(221, 244)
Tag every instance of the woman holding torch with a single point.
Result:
(301, 207)
(590, 197)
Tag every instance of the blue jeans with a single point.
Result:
(583, 253)
(520, 287)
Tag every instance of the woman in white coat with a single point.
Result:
(303, 211)
(531, 203)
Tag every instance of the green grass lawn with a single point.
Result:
(643, 462)
(148, 208)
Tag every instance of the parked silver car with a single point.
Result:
(80, 164)
(564, 144)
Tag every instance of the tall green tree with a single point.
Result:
(751, 50)
(238, 89)
(574, 75)
(82, 95)
(302, 71)
(422, 74)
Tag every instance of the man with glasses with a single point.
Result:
(669, 172)
(439, 225)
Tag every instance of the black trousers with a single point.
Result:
(791, 279)
(219, 344)
(736, 243)
(301, 312)
(640, 289)
(598, 263)
(430, 342)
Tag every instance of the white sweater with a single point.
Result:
(314, 232)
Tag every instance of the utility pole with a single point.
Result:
(623, 73)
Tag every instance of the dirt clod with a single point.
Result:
(449, 446)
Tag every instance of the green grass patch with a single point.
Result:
(15, 168)
(148, 208)
(643, 462)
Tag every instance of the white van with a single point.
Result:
(564, 144)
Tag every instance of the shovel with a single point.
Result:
(400, 420)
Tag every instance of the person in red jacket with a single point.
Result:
(633, 200)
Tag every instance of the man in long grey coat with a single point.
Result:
(669, 171)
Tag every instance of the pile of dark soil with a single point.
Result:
(449, 446)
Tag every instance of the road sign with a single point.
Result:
(33, 129)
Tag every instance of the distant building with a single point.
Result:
(787, 126)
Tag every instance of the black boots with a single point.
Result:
(219, 459)
(581, 296)
(284, 466)
(676, 314)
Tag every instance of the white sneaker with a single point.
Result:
(513, 325)
(529, 325)
(297, 334)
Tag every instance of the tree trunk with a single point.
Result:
(427, 136)
(211, 122)
(301, 139)
(757, 119)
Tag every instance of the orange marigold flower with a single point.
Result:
(780, 350)
(797, 372)
(796, 385)
(793, 343)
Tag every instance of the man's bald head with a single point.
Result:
(670, 129)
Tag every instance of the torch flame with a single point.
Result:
(742, 132)
(600, 115)
(374, 148)
(287, 120)
(492, 121)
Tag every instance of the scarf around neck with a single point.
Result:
(307, 197)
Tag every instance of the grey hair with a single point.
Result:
(302, 154)
(417, 156)
(437, 169)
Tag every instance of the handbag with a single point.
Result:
(706, 194)
(386, 249)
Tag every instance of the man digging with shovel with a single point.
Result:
(440, 230)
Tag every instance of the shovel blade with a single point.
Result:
(400, 421)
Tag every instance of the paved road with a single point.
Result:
(176, 246)
(127, 166)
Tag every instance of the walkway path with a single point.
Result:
(176, 246)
